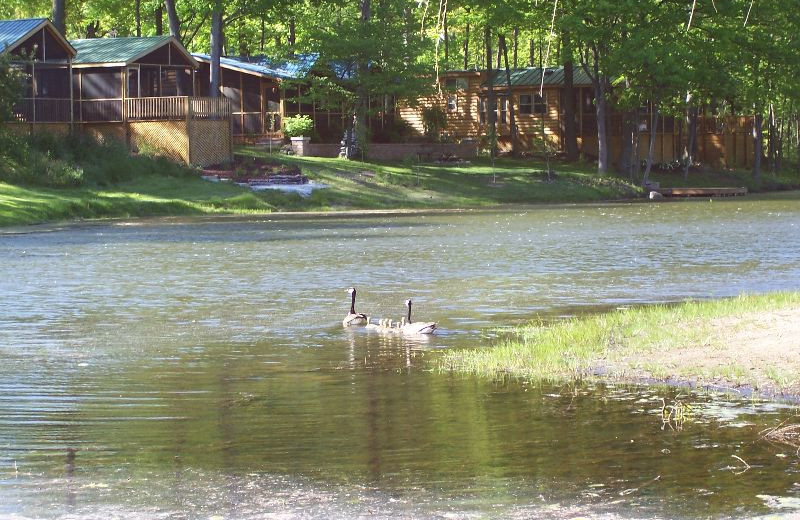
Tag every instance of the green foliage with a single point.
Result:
(434, 121)
(298, 126)
(10, 86)
(46, 159)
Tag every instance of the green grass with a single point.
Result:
(629, 338)
(143, 196)
(53, 178)
(789, 179)
(411, 185)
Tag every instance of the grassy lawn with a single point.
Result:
(736, 341)
(378, 185)
(143, 196)
(353, 185)
(786, 180)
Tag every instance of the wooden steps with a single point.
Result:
(702, 192)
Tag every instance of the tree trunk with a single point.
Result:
(771, 141)
(797, 141)
(602, 133)
(59, 15)
(172, 18)
(446, 42)
(691, 122)
(651, 147)
(362, 102)
(758, 145)
(570, 127)
(779, 150)
(466, 48)
(216, 48)
(636, 166)
(292, 34)
(137, 14)
(263, 35)
(159, 15)
(512, 119)
(491, 99)
(92, 28)
(626, 147)
(531, 53)
(516, 47)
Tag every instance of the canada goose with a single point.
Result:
(410, 327)
(354, 318)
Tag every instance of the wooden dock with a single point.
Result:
(702, 192)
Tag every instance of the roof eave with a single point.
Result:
(167, 41)
(46, 24)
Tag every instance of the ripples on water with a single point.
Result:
(198, 368)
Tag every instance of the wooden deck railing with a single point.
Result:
(175, 108)
(210, 108)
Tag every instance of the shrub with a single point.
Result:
(298, 126)
(10, 86)
(434, 120)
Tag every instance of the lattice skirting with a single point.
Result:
(210, 142)
(166, 138)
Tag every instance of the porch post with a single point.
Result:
(71, 97)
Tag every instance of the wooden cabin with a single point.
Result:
(112, 75)
(722, 142)
(258, 90)
(139, 91)
(264, 91)
(45, 57)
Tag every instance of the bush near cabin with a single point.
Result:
(298, 126)
(73, 160)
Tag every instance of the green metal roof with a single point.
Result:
(115, 50)
(13, 32)
(532, 77)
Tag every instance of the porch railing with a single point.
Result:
(42, 110)
(176, 108)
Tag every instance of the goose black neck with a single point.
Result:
(409, 312)
(353, 302)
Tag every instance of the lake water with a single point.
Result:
(198, 368)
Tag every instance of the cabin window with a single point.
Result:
(503, 107)
(532, 104)
(539, 104)
(451, 104)
(525, 104)
(455, 84)
(482, 110)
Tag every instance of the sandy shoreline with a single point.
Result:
(754, 355)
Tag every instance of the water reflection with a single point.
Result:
(199, 368)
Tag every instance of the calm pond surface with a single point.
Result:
(198, 368)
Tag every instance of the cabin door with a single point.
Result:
(133, 83)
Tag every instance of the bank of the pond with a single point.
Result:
(103, 182)
(351, 186)
(751, 341)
